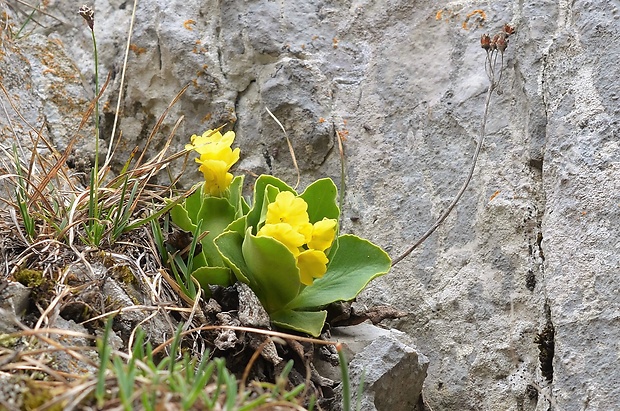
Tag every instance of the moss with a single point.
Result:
(121, 272)
(38, 395)
(125, 275)
(7, 341)
(41, 286)
(30, 278)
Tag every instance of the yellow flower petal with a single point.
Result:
(217, 177)
(220, 152)
(290, 209)
(200, 143)
(285, 234)
(216, 158)
(323, 234)
(312, 264)
(305, 229)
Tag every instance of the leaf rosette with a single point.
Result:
(285, 246)
(287, 249)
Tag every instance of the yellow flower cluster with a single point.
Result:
(287, 221)
(216, 158)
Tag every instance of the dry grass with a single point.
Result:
(51, 360)
(49, 355)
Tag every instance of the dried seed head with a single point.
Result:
(494, 42)
(485, 42)
(89, 15)
(501, 42)
(509, 30)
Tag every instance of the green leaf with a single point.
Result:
(200, 260)
(180, 217)
(272, 267)
(321, 197)
(216, 214)
(259, 190)
(236, 197)
(356, 262)
(193, 203)
(271, 192)
(214, 276)
(239, 225)
(309, 322)
(229, 245)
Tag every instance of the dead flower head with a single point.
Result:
(485, 41)
(88, 14)
(501, 42)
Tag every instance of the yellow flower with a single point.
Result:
(200, 143)
(323, 234)
(291, 210)
(285, 234)
(219, 152)
(217, 177)
(216, 158)
(287, 221)
(312, 264)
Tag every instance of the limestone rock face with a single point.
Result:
(403, 82)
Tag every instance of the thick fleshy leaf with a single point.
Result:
(236, 198)
(216, 214)
(271, 192)
(200, 260)
(239, 225)
(194, 202)
(213, 276)
(322, 197)
(180, 217)
(356, 262)
(309, 322)
(259, 193)
(229, 246)
(273, 269)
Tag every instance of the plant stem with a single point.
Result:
(96, 102)
(446, 213)
(94, 227)
(96, 165)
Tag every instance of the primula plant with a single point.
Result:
(214, 205)
(285, 245)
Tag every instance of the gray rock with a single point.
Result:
(45, 94)
(251, 312)
(11, 390)
(14, 300)
(391, 370)
(394, 374)
(66, 362)
(405, 85)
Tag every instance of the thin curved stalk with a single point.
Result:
(446, 213)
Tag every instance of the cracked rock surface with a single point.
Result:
(404, 82)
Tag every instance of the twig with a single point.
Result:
(275, 334)
(40, 11)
